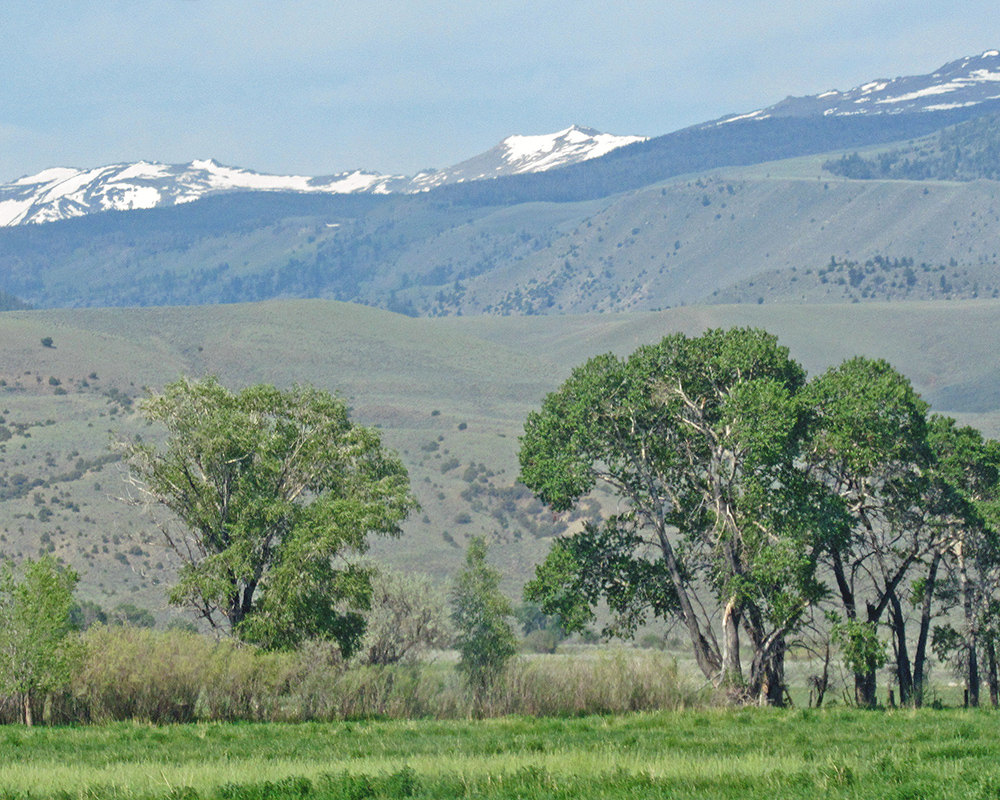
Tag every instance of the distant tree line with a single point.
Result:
(965, 152)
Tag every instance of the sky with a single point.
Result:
(317, 87)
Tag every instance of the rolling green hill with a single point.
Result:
(449, 394)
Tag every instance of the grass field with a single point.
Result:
(752, 753)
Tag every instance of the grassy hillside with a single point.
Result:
(677, 243)
(449, 394)
(600, 236)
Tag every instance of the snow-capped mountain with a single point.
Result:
(61, 193)
(966, 82)
(519, 154)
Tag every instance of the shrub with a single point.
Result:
(408, 615)
(485, 640)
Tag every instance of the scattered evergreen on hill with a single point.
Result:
(877, 279)
(966, 152)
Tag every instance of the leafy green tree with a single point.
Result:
(276, 491)
(971, 466)
(869, 448)
(37, 653)
(700, 437)
(485, 639)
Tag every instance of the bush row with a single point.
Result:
(176, 676)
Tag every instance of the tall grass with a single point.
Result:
(172, 677)
(718, 753)
(615, 682)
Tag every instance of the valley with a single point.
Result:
(449, 394)
(445, 316)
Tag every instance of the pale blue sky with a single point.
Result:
(321, 86)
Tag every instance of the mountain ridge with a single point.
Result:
(956, 91)
(60, 193)
(961, 83)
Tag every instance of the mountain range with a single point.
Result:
(962, 83)
(63, 193)
(572, 222)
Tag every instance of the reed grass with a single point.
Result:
(174, 677)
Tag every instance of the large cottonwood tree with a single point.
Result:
(700, 438)
(274, 492)
(869, 448)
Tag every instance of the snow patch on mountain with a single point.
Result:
(519, 154)
(62, 192)
(538, 153)
(958, 84)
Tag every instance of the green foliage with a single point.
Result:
(37, 652)
(860, 645)
(484, 638)
(136, 673)
(271, 487)
(600, 563)
(174, 676)
(408, 616)
(701, 435)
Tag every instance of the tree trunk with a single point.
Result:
(773, 693)
(920, 656)
(972, 680)
(991, 671)
(968, 607)
(732, 667)
(864, 688)
(705, 654)
(29, 718)
(904, 676)
(820, 683)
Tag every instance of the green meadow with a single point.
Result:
(750, 753)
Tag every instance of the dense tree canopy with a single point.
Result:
(700, 436)
(750, 498)
(274, 490)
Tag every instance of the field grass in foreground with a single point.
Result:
(718, 754)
